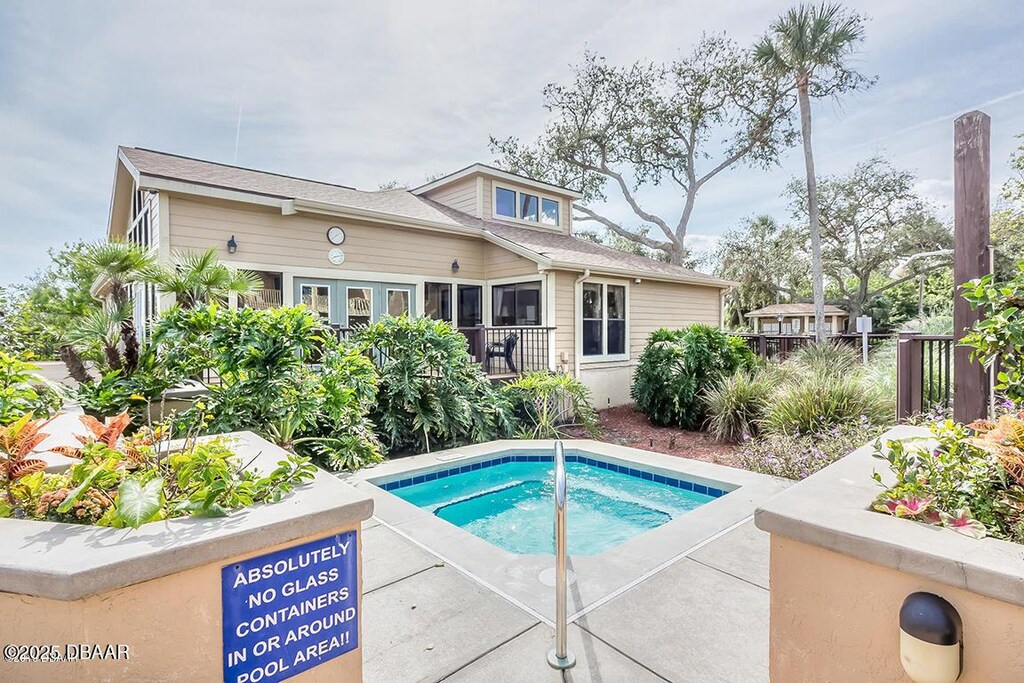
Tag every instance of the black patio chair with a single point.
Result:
(503, 349)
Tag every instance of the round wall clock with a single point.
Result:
(335, 234)
(336, 256)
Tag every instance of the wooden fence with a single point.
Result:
(924, 373)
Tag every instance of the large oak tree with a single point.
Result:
(618, 130)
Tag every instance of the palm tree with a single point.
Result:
(810, 44)
(200, 278)
(118, 265)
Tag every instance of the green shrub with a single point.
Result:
(268, 384)
(546, 403)
(22, 391)
(431, 395)
(737, 404)
(678, 365)
(999, 336)
(799, 456)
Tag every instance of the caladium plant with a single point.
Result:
(968, 479)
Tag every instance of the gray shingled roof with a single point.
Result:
(566, 249)
(186, 169)
(793, 309)
(556, 247)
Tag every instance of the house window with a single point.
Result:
(437, 300)
(604, 320)
(525, 207)
(470, 305)
(139, 233)
(398, 302)
(360, 305)
(317, 298)
(528, 207)
(549, 212)
(505, 202)
(516, 304)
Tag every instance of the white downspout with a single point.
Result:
(577, 296)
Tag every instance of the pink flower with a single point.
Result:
(911, 507)
(962, 523)
(907, 507)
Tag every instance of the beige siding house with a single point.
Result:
(490, 251)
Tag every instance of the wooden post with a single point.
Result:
(908, 375)
(971, 170)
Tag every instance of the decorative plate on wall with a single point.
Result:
(336, 256)
(335, 234)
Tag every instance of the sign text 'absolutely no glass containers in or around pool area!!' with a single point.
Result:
(290, 610)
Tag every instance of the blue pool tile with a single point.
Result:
(649, 476)
(465, 468)
(634, 473)
(418, 479)
(507, 458)
(430, 476)
(475, 466)
(686, 485)
(387, 486)
(444, 473)
(659, 478)
(700, 488)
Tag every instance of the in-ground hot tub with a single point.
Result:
(507, 500)
(488, 510)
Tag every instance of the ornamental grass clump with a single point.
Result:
(126, 481)
(966, 478)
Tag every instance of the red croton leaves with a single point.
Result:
(107, 433)
(17, 440)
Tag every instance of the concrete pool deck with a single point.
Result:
(687, 601)
(704, 617)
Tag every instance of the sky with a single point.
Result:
(363, 93)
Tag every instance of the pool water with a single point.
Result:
(511, 504)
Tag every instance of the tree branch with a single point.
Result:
(590, 215)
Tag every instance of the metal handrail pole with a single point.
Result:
(560, 657)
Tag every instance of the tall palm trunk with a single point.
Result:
(817, 273)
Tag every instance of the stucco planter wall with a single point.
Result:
(840, 572)
(157, 590)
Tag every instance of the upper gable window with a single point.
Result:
(549, 212)
(525, 206)
(505, 202)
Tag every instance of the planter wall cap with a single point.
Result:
(831, 509)
(71, 561)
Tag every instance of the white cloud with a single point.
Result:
(362, 92)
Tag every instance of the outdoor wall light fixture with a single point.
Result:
(455, 265)
(931, 639)
(232, 245)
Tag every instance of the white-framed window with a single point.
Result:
(437, 300)
(317, 298)
(526, 206)
(398, 302)
(517, 304)
(605, 325)
(359, 304)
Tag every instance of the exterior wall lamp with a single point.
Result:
(455, 265)
(931, 639)
(232, 245)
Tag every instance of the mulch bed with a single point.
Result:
(627, 426)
